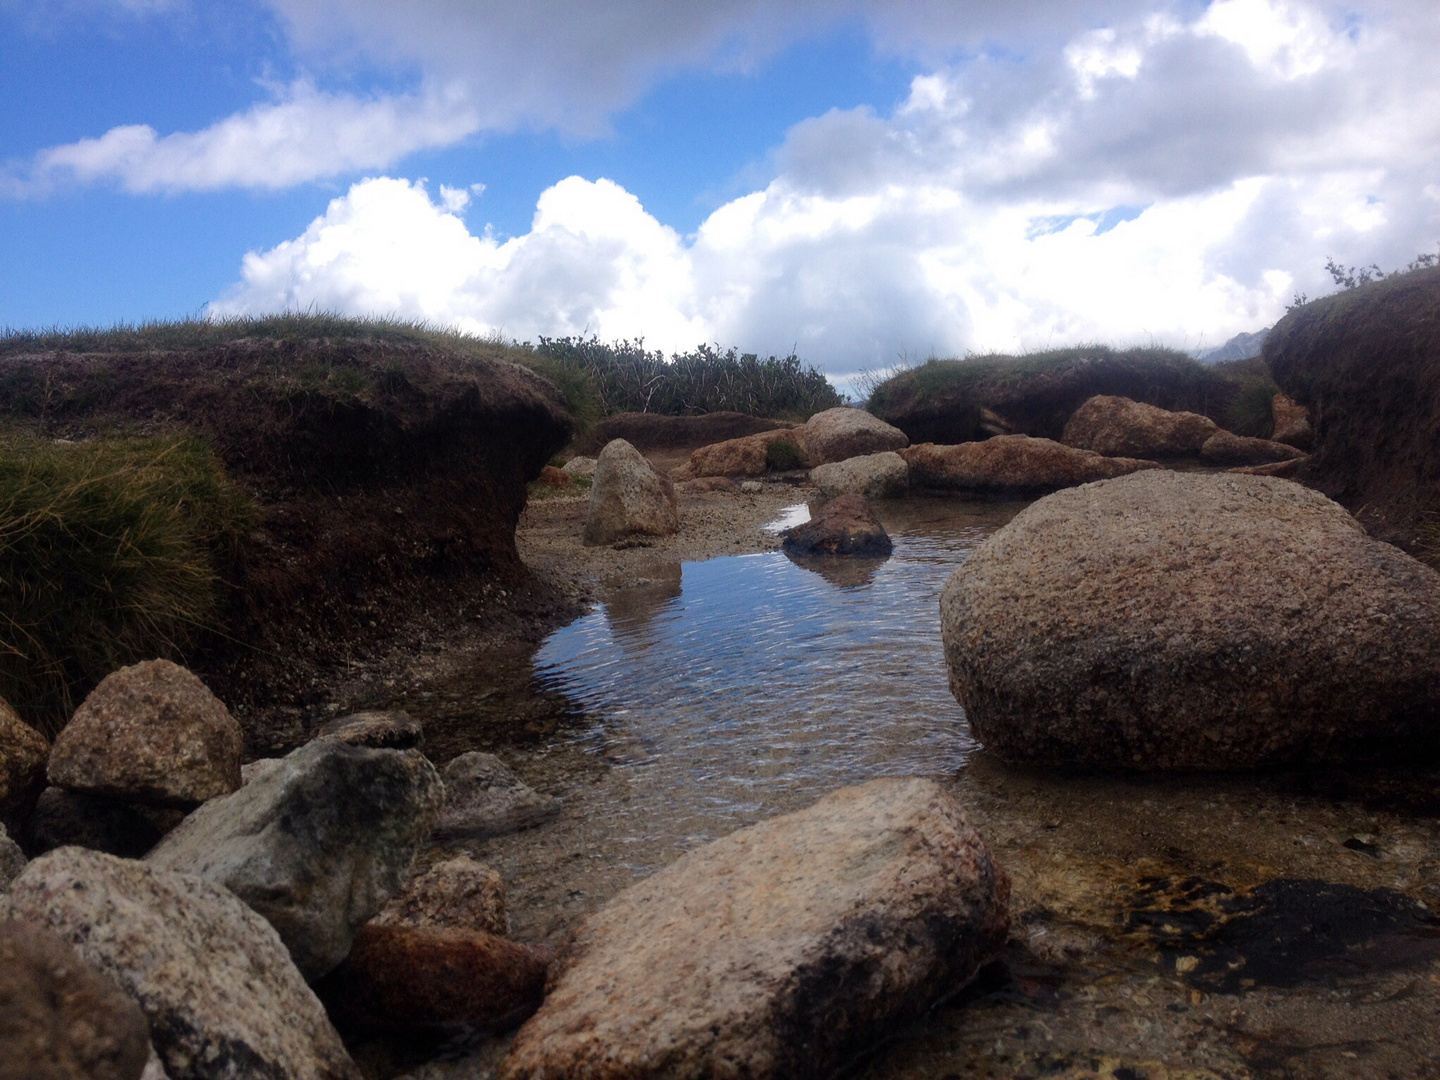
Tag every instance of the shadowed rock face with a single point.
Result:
(1011, 465)
(843, 526)
(23, 751)
(1181, 621)
(774, 951)
(1120, 427)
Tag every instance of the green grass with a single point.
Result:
(111, 552)
(783, 455)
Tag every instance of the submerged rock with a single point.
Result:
(316, 846)
(1223, 448)
(23, 751)
(778, 950)
(1184, 621)
(874, 476)
(628, 497)
(1292, 423)
(151, 732)
(220, 993)
(119, 828)
(392, 729)
(838, 434)
(1012, 465)
(1119, 427)
(484, 797)
(60, 1019)
(457, 894)
(843, 526)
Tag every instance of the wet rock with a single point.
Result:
(843, 526)
(317, 846)
(707, 483)
(12, 859)
(1223, 448)
(1119, 427)
(484, 797)
(151, 732)
(628, 497)
(23, 751)
(581, 468)
(457, 894)
(219, 991)
(554, 477)
(777, 950)
(392, 729)
(1185, 621)
(1012, 465)
(1292, 423)
(401, 977)
(60, 1019)
(874, 476)
(751, 455)
(838, 434)
(118, 828)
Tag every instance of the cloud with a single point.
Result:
(1161, 180)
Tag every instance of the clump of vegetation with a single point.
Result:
(783, 455)
(626, 377)
(1250, 409)
(111, 551)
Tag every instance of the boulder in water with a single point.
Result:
(837, 434)
(842, 526)
(874, 476)
(629, 497)
(457, 894)
(1011, 465)
(1184, 621)
(1119, 427)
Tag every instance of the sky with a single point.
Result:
(865, 182)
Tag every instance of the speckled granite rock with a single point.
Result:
(484, 797)
(12, 859)
(837, 434)
(775, 951)
(457, 894)
(1011, 465)
(874, 476)
(1119, 427)
(628, 497)
(1184, 621)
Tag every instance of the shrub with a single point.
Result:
(783, 455)
(111, 552)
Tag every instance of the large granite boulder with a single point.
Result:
(1292, 423)
(1011, 465)
(316, 846)
(1119, 427)
(456, 894)
(843, 526)
(63, 818)
(60, 1019)
(1183, 621)
(151, 732)
(23, 751)
(750, 455)
(629, 497)
(1226, 448)
(221, 995)
(874, 476)
(484, 797)
(778, 950)
(837, 434)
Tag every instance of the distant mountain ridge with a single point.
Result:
(1239, 347)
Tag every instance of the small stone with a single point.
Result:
(751, 487)
(554, 477)
(153, 733)
(484, 797)
(457, 894)
(392, 729)
(843, 526)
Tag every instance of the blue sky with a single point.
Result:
(861, 179)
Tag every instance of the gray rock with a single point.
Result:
(842, 433)
(217, 987)
(751, 487)
(317, 846)
(12, 860)
(23, 751)
(1185, 621)
(778, 950)
(457, 894)
(629, 497)
(392, 729)
(874, 476)
(581, 468)
(484, 797)
(60, 1019)
(253, 770)
(151, 732)
(64, 818)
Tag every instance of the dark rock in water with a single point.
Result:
(843, 526)
(1185, 621)
(484, 797)
(60, 1019)
(23, 751)
(151, 732)
(849, 573)
(222, 998)
(777, 951)
(317, 846)
(1012, 465)
(92, 821)
(1225, 448)
(457, 894)
(402, 978)
(391, 729)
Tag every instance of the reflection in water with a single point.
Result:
(757, 686)
(838, 570)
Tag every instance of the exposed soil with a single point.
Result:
(649, 431)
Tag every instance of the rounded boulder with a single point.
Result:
(838, 434)
(629, 497)
(1181, 621)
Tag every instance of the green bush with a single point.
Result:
(783, 455)
(111, 552)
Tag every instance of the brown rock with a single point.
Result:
(838, 434)
(1223, 448)
(60, 1019)
(151, 732)
(1185, 621)
(23, 751)
(747, 456)
(874, 476)
(629, 497)
(551, 476)
(401, 977)
(1287, 470)
(457, 894)
(389, 729)
(707, 483)
(843, 526)
(777, 950)
(1292, 423)
(1012, 465)
(1119, 427)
